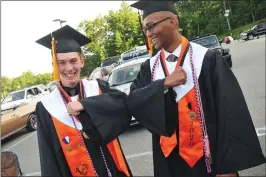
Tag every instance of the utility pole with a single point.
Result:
(226, 14)
(253, 12)
(60, 21)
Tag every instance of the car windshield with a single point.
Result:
(254, 27)
(206, 41)
(140, 53)
(108, 63)
(53, 83)
(15, 96)
(124, 75)
(42, 87)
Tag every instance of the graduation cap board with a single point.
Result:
(67, 40)
(63, 40)
(149, 7)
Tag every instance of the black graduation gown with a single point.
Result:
(108, 107)
(233, 140)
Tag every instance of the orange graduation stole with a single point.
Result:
(75, 150)
(190, 139)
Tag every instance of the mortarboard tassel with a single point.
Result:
(150, 45)
(55, 66)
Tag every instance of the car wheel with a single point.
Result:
(229, 62)
(250, 37)
(32, 123)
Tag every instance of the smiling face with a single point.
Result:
(161, 27)
(69, 66)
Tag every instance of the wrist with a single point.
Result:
(166, 84)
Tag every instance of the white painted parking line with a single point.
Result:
(20, 141)
(139, 155)
(261, 131)
(33, 174)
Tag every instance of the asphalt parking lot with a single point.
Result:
(249, 68)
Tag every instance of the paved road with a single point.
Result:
(249, 67)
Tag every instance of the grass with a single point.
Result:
(236, 32)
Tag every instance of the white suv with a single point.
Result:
(20, 97)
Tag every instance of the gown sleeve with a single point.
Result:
(106, 115)
(147, 103)
(238, 147)
(49, 167)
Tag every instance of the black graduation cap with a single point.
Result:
(148, 7)
(67, 40)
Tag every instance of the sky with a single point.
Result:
(24, 22)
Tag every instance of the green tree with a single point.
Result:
(95, 30)
(5, 86)
(16, 84)
(123, 30)
(43, 78)
(27, 79)
(111, 35)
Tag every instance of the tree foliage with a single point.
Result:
(111, 35)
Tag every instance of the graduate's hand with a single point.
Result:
(227, 175)
(178, 77)
(74, 108)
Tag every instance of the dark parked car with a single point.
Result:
(135, 53)
(110, 62)
(210, 41)
(256, 30)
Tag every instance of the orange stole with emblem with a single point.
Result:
(190, 139)
(76, 154)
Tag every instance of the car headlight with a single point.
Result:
(243, 34)
(220, 50)
(126, 90)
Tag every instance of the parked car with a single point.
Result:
(210, 41)
(52, 85)
(95, 74)
(123, 75)
(16, 98)
(110, 63)
(135, 53)
(256, 30)
(17, 118)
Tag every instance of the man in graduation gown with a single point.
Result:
(191, 102)
(79, 145)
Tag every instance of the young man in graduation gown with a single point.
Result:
(191, 102)
(83, 144)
